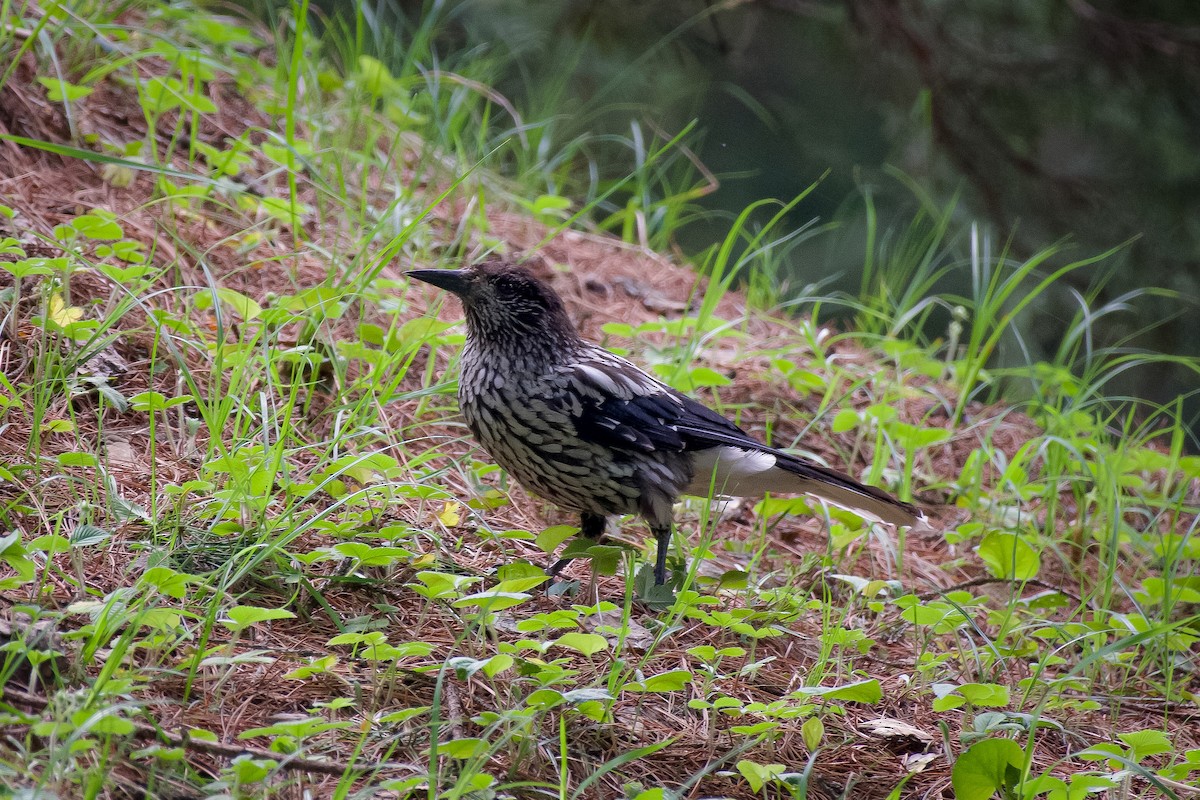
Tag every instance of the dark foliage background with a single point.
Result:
(1051, 121)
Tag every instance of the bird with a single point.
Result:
(594, 434)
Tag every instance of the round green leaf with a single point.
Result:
(586, 643)
(986, 767)
(1008, 556)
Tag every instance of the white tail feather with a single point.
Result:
(733, 471)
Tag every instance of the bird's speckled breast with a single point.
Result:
(521, 414)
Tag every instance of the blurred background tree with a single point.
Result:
(1048, 120)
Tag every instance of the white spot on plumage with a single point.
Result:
(616, 376)
(601, 379)
(734, 471)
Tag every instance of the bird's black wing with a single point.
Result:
(617, 405)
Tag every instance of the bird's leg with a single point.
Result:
(591, 526)
(663, 535)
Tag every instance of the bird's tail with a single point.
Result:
(845, 492)
(736, 470)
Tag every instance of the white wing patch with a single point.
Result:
(633, 382)
(601, 379)
(606, 376)
(736, 472)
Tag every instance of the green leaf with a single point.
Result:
(102, 722)
(492, 600)
(77, 460)
(985, 694)
(924, 614)
(774, 506)
(813, 731)
(550, 208)
(544, 699)
(846, 420)
(704, 376)
(369, 556)
(925, 437)
(987, 767)
(654, 595)
(605, 558)
(14, 554)
(50, 543)
(1155, 590)
(497, 664)
(734, 579)
(520, 584)
(85, 535)
(464, 748)
(549, 539)
(652, 794)
(315, 666)
(403, 715)
(251, 770)
(868, 691)
(60, 91)
(98, 225)
(948, 702)
(1054, 788)
(757, 729)
(672, 681)
(518, 569)
(241, 617)
(161, 94)
(622, 329)
(160, 619)
(465, 666)
(757, 775)
(1008, 556)
(246, 308)
(26, 267)
(587, 643)
(148, 401)
(356, 638)
(440, 585)
(374, 76)
(511, 535)
(1147, 742)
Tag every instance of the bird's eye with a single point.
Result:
(517, 290)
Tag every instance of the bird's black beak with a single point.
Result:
(456, 281)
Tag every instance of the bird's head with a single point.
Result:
(503, 300)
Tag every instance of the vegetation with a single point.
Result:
(250, 552)
(1046, 120)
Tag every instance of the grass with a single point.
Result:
(251, 552)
